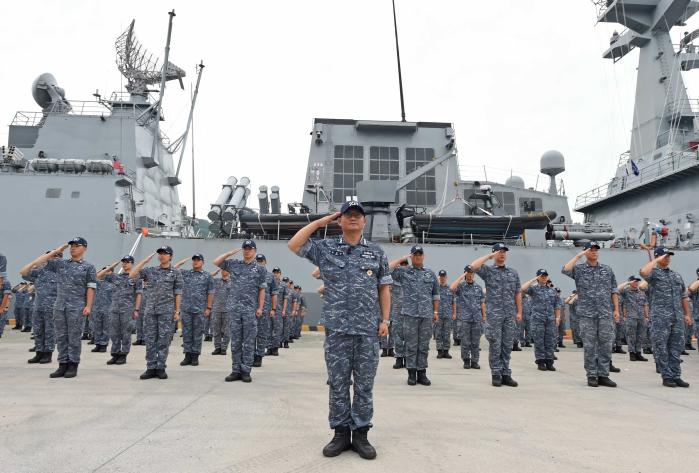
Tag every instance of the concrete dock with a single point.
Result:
(108, 420)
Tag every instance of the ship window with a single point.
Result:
(383, 163)
(75, 195)
(421, 191)
(527, 204)
(53, 192)
(508, 202)
(348, 166)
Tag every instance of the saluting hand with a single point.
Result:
(329, 219)
(59, 250)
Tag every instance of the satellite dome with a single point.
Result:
(515, 181)
(552, 163)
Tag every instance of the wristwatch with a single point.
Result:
(208, 308)
(387, 322)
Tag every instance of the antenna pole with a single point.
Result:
(163, 76)
(200, 69)
(194, 199)
(400, 75)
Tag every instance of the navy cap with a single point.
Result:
(296, 286)
(78, 241)
(697, 270)
(261, 257)
(499, 247)
(290, 281)
(558, 289)
(276, 269)
(541, 272)
(285, 279)
(352, 205)
(249, 244)
(127, 259)
(442, 272)
(164, 250)
(198, 256)
(575, 291)
(591, 244)
(416, 249)
(633, 277)
(468, 269)
(662, 251)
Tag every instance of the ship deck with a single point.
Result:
(108, 420)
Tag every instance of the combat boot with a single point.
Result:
(541, 365)
(195, 359)
(60, 372)
(208, 338)
(497, 380)
(561, 345)
(223, 352)
(640, 357)
(440, 354)
(689, 346)
(633, 356)
(613, 368)
(412, 377)
(161, 374)
(361, 445)
(257, 362)
(275, 352)
(447, 355)
(467, 364)
(148, 374)
(286, 344)
(233, 377)
(187, 360)
(508, 381)
(580, 344)
(340, 442)
(605, 381)
(32, 349)
(37, 358)
(515, 347)
(121, 359)
(27, 329)
(549, 365)
(217, 351)
(684, 353)
(391, 352)
(647, 351)
(528, 344)
(669, 383)
(457, 342)
(422, 378)
(681, 383)
(45, 357)
(113, 359)
(384, 352)
(139, 342)
(592, 382)
(71, 371)
(621, 350)
(475, 365)
(400, 363)
(96, 349)
(245, 377)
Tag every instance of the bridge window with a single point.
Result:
(421, 191)
(529, 204)
(383, 163)
(348, 169)
(508, 202)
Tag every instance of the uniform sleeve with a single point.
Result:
(144, 274)
(261, 280)
(559, 304)
(210, 285)
(311, 251)
(613, 284)
(33, 275)
(571, 273)
(484, 272)
(652, 277)
(110, 277)
(6, 287)
(275, 287)
(3, 266)
(53, 265)
(530, 290)
(179, 282)
(518, 286)
(226, 264)
(138, 286)
(384, 275)
(397, 273)
(435, 288)
(91, 278)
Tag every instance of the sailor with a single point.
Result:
(420, 310)
(619, 330)
(141, 316)
(503, 301)
(75, 291)
(5, 296)
(303, 308)
(561, 324)
(28, 307)
(357, 295)
(277, 339)
(20, 295)
(636, 315)
(545, 318)
(165, 286)
(694, 296)
(296, 304)
(44, 329)
(598, 310)
(197, 302)
(268, 311)
(245, 304)
(3, 269)
(396, 322)
(527, 321)
(572, 303)
(447, 314)
(100, 315)
(125, 307)
(668, 303)
(470, 310)
(221, 318)
(288, 313)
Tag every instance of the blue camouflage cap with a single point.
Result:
(127, 259)
(164, 250)
(352, 205)
(499, 247)
(261, 257)
(468, 269)
(541, 272)
(80, 241)
(633, 277)
(416, 249)
(249, 244)
(591, 244)
(662, 251)
(198, 256)
(442, 272)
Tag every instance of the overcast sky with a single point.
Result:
(515, 77)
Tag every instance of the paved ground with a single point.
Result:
(108, 420)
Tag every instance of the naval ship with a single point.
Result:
(103, 169)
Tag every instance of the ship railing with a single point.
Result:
(672, 163)
(687, 107)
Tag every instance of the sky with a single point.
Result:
(515, 77)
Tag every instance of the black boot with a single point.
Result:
(161, 374)
(195, 359)
(233, 377)
(613, 368)
(286, 344)
(447, 355)
(475, 365)
(217, 351)
(467, 364)
(400, 363)
(541, 365)
(497, 380)
(208, 338)
(640, 357)
(684, 353)
(187, 360)
(275, 351)
(515, 347)
(422, 378)
(412, 377)
(245, 377)
(457, 342)
(592, 382)
(139, 342)
(391, 353)
(549, 365)
(71, 371)
(384, 352)
(680, 383)
(60, 372)
(440, 354)
(32, 350)
(148, 374)
(527, 344)
(45, 357)
(579, 344)
(632, 356)
(257, 362)
(96, 349)
(361, 445)
(605, 381)
(121, 359)
(340, 442)
(561, 345)
(508, 381)
(37, 357)
(223, 352)
(621, 351)
(113, 359)
(689, 346)
(647, 351)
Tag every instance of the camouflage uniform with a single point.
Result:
(395, 329)
(124, 294)
(6, 289)
(526, 334)
(501, 285)
(694, 298)
(100, 313)
(574, 321)
(446, 298)
(420, 288)
(620, 327)
(634, 305)
(74, 278)
(43, 325)
(595, 286)
(289, 320)
(140, 325)
(352, 276)
(667, 290)
(264, 322)
(20, 301)
(469, 297)
(221, 318)
(277, 321)
(301, 316)
(163, 285)
(246, 281)
(3, 266)
(196, 287)
(544, 302)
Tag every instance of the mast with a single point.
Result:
(194, 200)
(400, 74)
(163, 79)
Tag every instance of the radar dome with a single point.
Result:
(515, 181)
(47, 94)
(552, 163)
